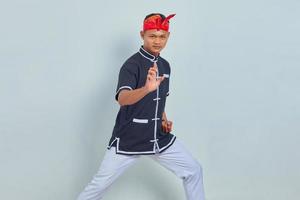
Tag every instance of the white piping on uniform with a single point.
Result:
(130, 152)
(156, 118)
(142, 121)
(171, 141)
(166, 75)
(109, 146)
(143, 152)
(153, 59)
(156, 110)
(128, 87)
(147, 52)
(156, 99)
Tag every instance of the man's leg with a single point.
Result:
(112, 166)
(178, 160)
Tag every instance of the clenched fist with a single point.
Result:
(167, 126)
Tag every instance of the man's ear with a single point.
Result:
(142, 33)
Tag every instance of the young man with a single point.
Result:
(142, 127)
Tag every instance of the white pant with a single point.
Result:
(176, 159)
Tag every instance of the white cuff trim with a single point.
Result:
(123, 87)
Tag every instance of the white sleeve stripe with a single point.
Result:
(123, 87)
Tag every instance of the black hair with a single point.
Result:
(152, 14)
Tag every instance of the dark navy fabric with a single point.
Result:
(137, 128)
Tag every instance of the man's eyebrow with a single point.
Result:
(158, 35)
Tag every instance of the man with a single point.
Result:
(142, 127)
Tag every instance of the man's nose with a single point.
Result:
(156, 40)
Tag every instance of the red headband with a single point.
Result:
(156, 22)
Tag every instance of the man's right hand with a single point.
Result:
(153, 81)
(129, 97)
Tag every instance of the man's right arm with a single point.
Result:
(129, 97)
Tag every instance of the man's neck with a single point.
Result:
(152, 53)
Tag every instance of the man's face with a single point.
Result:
(154, 40)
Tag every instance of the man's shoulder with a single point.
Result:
(134, 59)
(132, 63)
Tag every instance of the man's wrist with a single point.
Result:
(145, 90)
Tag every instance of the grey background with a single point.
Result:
(234, 96)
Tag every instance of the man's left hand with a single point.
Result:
(167, 126)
